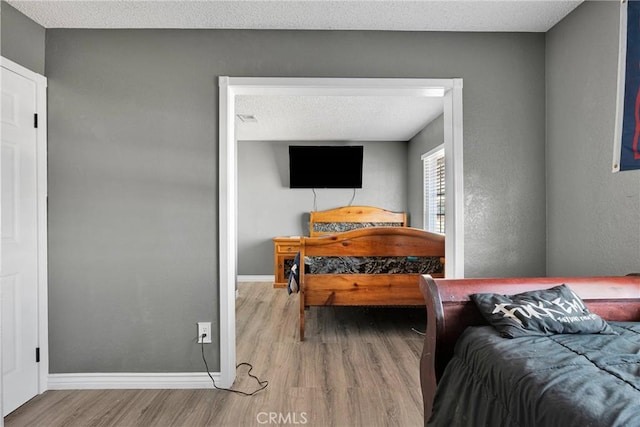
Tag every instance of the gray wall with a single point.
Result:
(267, 207)
(22, 40)
(132, 201)
(593, 214)
(133, 142)
(426, 140)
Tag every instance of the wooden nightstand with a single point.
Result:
(284, 251)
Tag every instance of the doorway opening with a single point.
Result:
(231, 87)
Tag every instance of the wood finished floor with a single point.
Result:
(357, 367)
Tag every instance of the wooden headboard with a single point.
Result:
(348, 218)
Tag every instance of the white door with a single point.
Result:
(19, 261)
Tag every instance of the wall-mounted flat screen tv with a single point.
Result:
(325, 166)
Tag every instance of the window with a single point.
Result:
(434, 190)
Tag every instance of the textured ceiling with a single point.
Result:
(335, 118)
(313, 118)
(402, 15)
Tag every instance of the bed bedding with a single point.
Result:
(556, 380)
(363, 265)
(347, 218)
(341, 227)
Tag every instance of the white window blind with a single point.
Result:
(434, 190)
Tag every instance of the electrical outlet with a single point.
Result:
(204, 328)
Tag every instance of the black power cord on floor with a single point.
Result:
(418, 332)
(263, 384)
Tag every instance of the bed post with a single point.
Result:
(301, 321)
(301, 288)
(428, 378)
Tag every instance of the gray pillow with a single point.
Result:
(557, 310)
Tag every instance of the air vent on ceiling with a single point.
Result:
(248, 118)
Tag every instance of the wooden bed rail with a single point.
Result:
(450, 311)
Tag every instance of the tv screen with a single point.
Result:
(312, 166)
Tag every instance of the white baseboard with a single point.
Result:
(118, 380)
(256, 278)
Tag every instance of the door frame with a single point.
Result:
(41, 191)
(230, 87)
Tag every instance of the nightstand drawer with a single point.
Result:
(288, 248)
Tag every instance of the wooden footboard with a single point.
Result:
(375, 289)
(450, 311)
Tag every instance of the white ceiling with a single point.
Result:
(313, 118)
(335, 118)
(398, 15)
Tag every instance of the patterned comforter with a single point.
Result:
(363, 265)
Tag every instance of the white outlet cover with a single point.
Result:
(204, 328)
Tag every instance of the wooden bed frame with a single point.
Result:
(354, 217)
(450, 311)
(366, 289)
